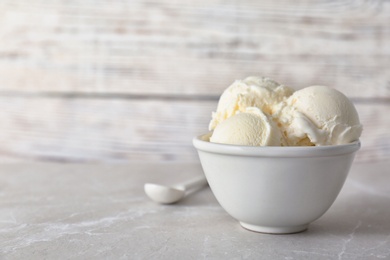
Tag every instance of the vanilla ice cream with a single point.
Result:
(319, 115)
(258, 111)
(259, 92)
(251, 127)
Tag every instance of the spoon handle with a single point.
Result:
(195, 183)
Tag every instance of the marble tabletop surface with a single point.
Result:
(70, 211)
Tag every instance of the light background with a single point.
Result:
(118, 81)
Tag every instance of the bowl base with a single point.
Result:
(274, 230)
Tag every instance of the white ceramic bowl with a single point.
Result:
(275, 189)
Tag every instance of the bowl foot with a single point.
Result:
(274, 230)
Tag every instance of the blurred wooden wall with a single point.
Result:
(128, 80)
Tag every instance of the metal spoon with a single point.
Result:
(168, 195)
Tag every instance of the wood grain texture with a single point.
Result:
(136, 80)
(196, 47)
(91, 130)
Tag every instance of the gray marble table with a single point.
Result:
(68, 211)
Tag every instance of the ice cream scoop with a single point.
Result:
(319, 115)
(251, 127)
(260, 92)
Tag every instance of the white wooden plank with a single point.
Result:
(376, 131)
(196, 47)
(92, 130)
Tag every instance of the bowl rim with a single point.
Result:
(201, 143)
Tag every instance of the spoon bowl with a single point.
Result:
(164, 194)
(168, 195)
